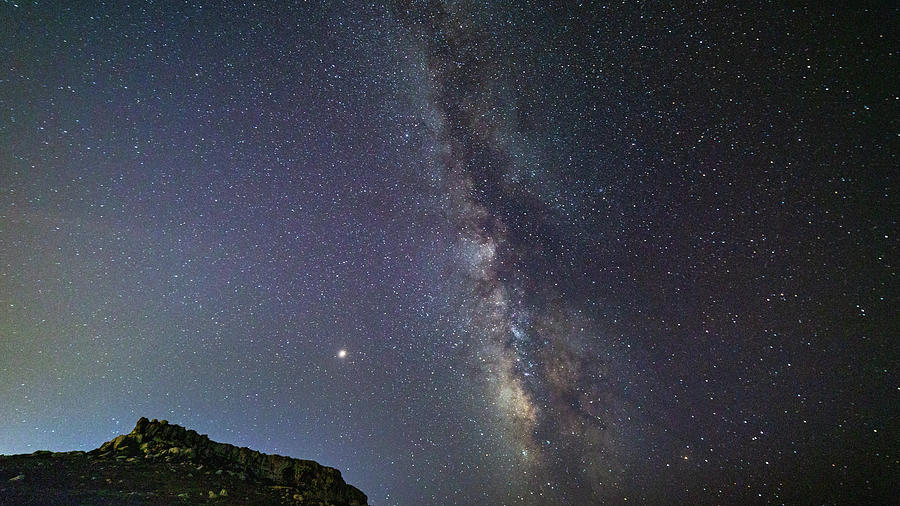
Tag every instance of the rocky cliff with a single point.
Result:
(159, 462)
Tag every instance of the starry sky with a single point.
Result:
(465, 252)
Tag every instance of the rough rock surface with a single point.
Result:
(163, 463)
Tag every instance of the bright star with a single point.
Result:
(342, 354)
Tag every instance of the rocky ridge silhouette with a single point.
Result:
(159, 462)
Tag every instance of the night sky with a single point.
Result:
(466, 253)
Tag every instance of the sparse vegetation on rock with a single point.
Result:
(159, 462)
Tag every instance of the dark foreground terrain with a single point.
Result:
(162, 463)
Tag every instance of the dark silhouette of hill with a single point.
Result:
(163, 463)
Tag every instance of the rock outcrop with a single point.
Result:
(162, 462)
(157, 439)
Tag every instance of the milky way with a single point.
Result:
(465, 252)
(529, 341)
